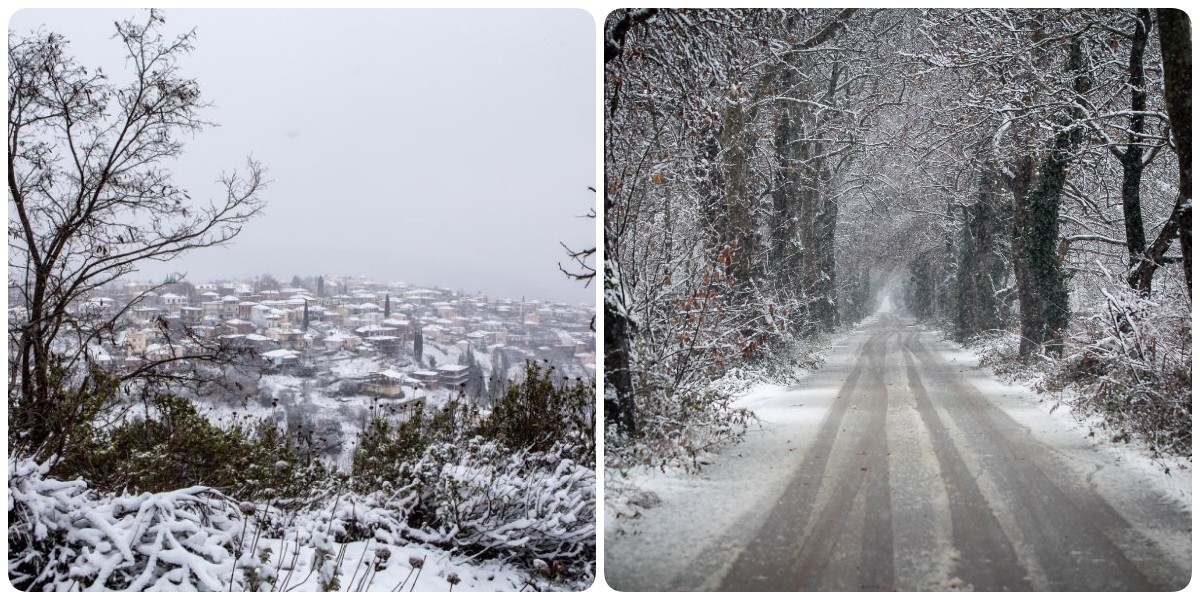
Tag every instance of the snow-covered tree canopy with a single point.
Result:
(769, 172)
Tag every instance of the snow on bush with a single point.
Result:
(680, 422)
(999, 349)
(533, 505)
(485, 499)
(678, 431)
(1131, 366)
(63, 536)
(531, 511)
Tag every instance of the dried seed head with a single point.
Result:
(248, 508)
(416, 562)
(453, 578)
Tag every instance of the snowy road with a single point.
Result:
(902, 465)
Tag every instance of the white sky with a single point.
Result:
(438, 147)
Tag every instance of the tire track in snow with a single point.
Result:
(925, 556)
(1064, 527)
(984, 551)
(800, 539)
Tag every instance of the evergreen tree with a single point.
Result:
(499, 376)
(418, 345)
(476, 387)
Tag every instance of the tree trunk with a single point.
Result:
(785, 195)
(739, 235)
(618, 388)
(1041, 250)
(1045, 300)
(1131, 158)
(618, 330)
(977, 304)
(1175, 36)
(1030, 310)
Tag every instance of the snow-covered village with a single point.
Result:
(327, 363)
(322, 362)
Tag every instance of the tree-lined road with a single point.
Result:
(918, 477)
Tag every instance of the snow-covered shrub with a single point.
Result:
(524, 504)
(389, 446)
(677, 431)
(481, 497)
(680, 420)
(517, 483)
(538, 414)
(63, 536)
(695, 326)
(470, 500)
(999, 350)
(1131, 365)
(175, 447)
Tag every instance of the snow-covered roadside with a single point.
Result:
(660, 525)
(1051, 420)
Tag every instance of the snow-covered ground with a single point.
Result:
(658, 523)
(181, 541)
(682, 531)
(397, 574)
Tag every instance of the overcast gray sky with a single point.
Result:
(437, 147)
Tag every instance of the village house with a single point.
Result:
(281, 358)
(246, 309)
(138, 340)
(423, 378)
(240, 326)
(191, 315)
(213, 310)
(386, 345)
(287, 338)
(172, 302)
(478, 340)
(145, 314)
(403, 327)
(383, 383)
(453, 376)
(341, 341)
(434, 334)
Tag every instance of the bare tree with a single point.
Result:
(726, 133)
(91, 198)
